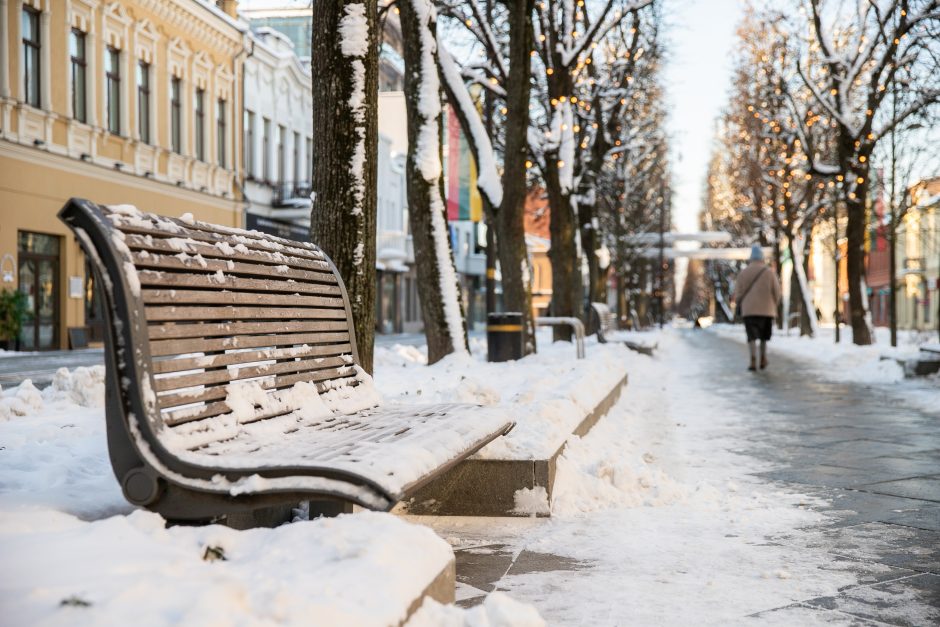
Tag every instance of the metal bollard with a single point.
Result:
(504, 336)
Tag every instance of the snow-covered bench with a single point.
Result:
(232, 375)
(603, 319)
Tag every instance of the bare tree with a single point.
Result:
(345, 121)
(851, 55)
(438, 290)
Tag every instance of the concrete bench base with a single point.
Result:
(487, 487)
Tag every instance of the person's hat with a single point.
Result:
(757, 253)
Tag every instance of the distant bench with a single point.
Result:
(605, 323)
(233, 381)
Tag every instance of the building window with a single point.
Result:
(112, 69)
(79, 67)
(176, 115)
(143, 101)
(297, 179)
(281, 153)
(31, 47)
(220, 131)
(199, 132)
(265, 151)
(249, 147)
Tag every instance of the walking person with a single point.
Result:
(757, 294)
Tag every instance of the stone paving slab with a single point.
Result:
(800, 614)
(829, 476)
(909, 601)
(923, 488)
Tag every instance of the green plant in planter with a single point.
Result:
(12, 312)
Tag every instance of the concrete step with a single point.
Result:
(489, 487)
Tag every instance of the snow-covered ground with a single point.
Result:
(876, 365)
(656, 512)
(665, 519)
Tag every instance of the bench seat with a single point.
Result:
(233, 380)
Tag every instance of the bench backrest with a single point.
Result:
(209, 306)
(605, 318)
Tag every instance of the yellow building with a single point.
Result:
(131, 102)
(918, 259)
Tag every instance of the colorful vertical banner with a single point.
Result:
(463, 197)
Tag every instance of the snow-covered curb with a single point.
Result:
(363, 569)
(548, 394)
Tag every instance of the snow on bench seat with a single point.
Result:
(233, 377)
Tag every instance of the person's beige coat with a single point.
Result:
(763, 298)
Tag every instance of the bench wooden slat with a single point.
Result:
(235, 233)
(208, 362)
(174, 246)
(227, 375)
(178, 347)
(216, 392)
(153, 278)
(209, 297)
(222, 312)
(177, 417)
(189, 263)
(180, 330)
(228, 242)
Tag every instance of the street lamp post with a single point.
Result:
(662, 255)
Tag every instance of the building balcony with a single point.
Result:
(290, 193)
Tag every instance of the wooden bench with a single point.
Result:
(603, 319)
(232, 375)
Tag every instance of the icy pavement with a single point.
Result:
(711, 495)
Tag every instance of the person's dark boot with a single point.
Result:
(752, 349)
(763, 355)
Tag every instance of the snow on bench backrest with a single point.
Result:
(234, 321)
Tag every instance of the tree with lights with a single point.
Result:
(851, 54)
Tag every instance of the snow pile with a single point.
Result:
(547, 394)
(83, 387)
(497, 610)
(362, 569)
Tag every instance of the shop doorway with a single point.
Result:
(39, 280)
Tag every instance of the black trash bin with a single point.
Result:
(504, 336)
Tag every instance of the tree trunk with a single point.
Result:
(563, 255)
(892, 272)
(438, 290)
(590, 244)
(345, 117)
(855, 265)
(510, 224)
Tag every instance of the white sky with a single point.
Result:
(701, 36)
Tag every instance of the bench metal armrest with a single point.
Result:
(576, 325)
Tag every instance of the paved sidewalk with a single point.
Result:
(40, 367)
(875, 461)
